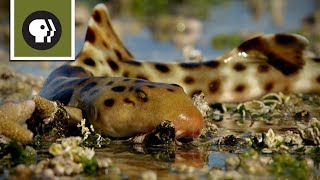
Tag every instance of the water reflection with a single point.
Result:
(133, 160)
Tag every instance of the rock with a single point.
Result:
(44, 108)
(51, 110)
(12, 120)
(311, 134)
(16, 87)
(164, 133)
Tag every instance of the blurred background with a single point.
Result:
(162, 29)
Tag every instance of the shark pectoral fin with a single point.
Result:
(282, 51)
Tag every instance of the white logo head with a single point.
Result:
(39, 29)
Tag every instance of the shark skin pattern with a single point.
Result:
(122, 96)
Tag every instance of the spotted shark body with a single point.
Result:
(123, 96)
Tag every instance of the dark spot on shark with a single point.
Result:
(269, 86)
(214, 85)
(318, 79)
(125, 74)
(89, 62)
(188, 80)
(263, 68)
(239, 67)
(211, 64)
(282, 65)
(240, 88)
(118, 88)
(162, 68)
(113, 65)
(190, 65)
(255, 43)
(131, 88)
(118, 54)
(109, 102)
(285, 39)
(90, 36)
(96, 16)
(105, 44)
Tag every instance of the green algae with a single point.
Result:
(15, 153)
(286, 166)
(90, 166)
(226, 41)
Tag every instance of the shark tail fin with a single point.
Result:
(282, 51)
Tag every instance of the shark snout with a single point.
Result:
(190, 124)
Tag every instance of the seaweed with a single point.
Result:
(16, 153)
(89, 165)
(286, 166)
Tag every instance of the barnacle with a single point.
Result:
(273, 96)
(253, 107)
(201, 104)
(164, 133)
(273, 140)
(272, 100)
(69, 158)
(312, 132)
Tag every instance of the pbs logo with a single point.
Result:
(41, 30)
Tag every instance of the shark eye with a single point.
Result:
(142, 95)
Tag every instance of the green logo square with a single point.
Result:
(42, 30)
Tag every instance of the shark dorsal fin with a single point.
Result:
(282, 51)
(102, 44)
(101, 33)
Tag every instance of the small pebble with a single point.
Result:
(149, 175)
